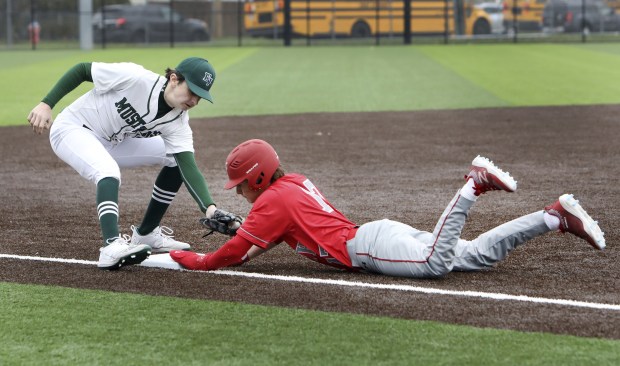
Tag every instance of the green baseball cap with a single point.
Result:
(199, 76)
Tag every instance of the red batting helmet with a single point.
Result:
(254, 160)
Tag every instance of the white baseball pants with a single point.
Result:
(95, 158)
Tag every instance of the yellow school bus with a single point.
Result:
(335, 18)
(615, 4)
(526, 14)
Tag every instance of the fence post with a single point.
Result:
(377, 7)
(34, 39)
(171, 5)
(446, 21)
(307, 22)
(458, 9)
(103, 38)
(9, 24)
(86, 24)
(407, 22)
(287, 23)
(515, 20)
(583, 21)
(240, 18)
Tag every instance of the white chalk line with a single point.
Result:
(425, 290)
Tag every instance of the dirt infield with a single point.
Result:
(401, 165)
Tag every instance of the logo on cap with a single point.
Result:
(208, 78)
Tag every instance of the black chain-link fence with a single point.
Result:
(109, 23)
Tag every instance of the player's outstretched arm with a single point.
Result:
(233, 253)
(195, 181)
(255, 251)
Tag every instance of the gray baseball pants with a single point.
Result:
(396, 249)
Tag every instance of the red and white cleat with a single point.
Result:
(190, 260)
(488, 177)
(575, 220)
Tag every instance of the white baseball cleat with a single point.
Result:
(488, 177)
(120, 253)
(160, 240)
(575, 220)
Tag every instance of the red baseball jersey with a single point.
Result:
(294, 211)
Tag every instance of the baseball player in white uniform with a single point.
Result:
(132, 117)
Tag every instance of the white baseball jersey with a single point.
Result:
(123, 103)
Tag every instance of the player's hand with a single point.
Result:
(40, 118)
(190, 260)
(210, 211)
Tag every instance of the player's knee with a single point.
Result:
(439, 269)
(96, 178)
(169, 161)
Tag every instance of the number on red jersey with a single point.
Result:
(314, 193)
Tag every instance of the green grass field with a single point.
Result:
(47, 325)
(58, 326)
(253, 81)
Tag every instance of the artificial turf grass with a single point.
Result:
(278, 80)
(55, 325)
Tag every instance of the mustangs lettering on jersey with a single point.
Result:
(133, 119)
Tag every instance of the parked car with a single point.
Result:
(496, 16)
(146, 24)
(568, 16)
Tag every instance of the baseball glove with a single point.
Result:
(223, 222)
